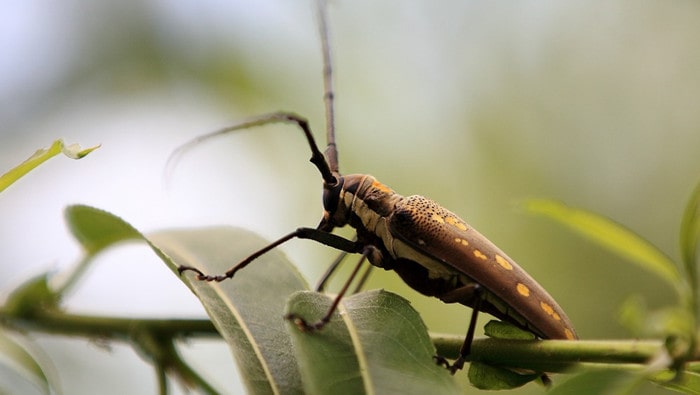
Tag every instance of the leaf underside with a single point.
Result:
(247, 310)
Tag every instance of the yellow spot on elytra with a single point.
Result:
(479, 254)
(547, 308)
(456, 223)
(461, 241)
(523, 289)
(503, 262)
(438, 218)
(569, 335)
(556, 316)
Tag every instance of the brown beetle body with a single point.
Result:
(438, 254)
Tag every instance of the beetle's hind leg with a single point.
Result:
(476, 293)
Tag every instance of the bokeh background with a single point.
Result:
(476, 104)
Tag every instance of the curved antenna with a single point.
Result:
(317, 157)
(328, 95)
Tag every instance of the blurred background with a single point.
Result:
(476, 104)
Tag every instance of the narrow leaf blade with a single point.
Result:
(690, 237)
(611, 235)
(248, 309)
(19, 370)
(598, 382)
(72, 151)
(687, 383)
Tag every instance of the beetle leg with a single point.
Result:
(306, 327)
(321, 285)
(472, 292)
(320, 236)
(363, 279)
(465, 294)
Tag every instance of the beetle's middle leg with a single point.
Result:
(306, 327)
(321, 285)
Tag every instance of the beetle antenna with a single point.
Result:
(328, 93)
(317, 157)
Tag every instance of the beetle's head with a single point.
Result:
(334, 208)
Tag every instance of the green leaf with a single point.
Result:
(96, 230)
(375, 344)
(20, 372)
(687, 383)
(690, 236)
(633, 315)
(248, 309)
(487, 377)
(602, 382)
(327, 359)
(31, 296)
(72, 151)
(506, 330)
(662, 322)
(611, 235)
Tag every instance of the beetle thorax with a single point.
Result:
(357, 200)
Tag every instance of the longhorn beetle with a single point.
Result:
(433, 250)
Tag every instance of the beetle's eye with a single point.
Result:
(331, 194)
(333, 183)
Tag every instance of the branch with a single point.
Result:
(60, 323)
(551, 355)
(152, 338)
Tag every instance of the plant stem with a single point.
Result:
(60, 323)
(551, 355)
(152, 338)
(542, 355)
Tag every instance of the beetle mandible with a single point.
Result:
(433, 250)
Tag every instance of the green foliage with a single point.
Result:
(31, 296)
(72, 151)
(375, 342)
(678, 324)
(505, 330)
(247, 313)
(610, 235)
(489, 377)
(19, 369)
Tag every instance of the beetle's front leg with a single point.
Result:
(320, 236)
